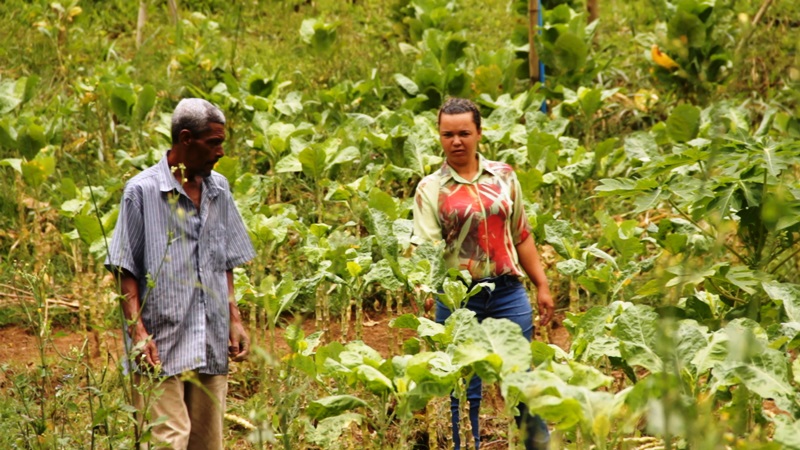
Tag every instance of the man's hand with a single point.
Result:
(239, 346)
(546, 305)
(148, 359)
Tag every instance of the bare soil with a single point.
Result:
(20, 346)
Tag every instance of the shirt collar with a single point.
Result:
(447, 172)
(168, 183)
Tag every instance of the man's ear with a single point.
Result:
(185, 137)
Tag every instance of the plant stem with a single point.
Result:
(764, 6)
(704, 231)
(784, 260)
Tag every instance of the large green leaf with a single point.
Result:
(543, 392)
(571, 267)
(380, 226)
(687, 27)
(640, 146)
(88, 228)
(506, 339)
(357, 353)
(145, 102)
(313, 160)
(123, 98)
(454, 293)
(14, 163)
(683, 123)
(318, 34)
(8, 133)
(329, 430)
(406, 321)
(570, 51)
(285, 293)
(336, 154)
(30, 139)
(587, 376)
(406, 84)
(636, 329)
(788, 294)
(291, 105)
(229, 168)
(333, 406)
(767, 375)
(765, 372)
(488, 79)
(374, 380)
(560, 235)
(420, 150)
(600, 347)
(787, 432)
(381, 272)
(12, 93)
(429, 328)
(38, 170)
(460, 327)
(381, 201)
(433, 366)
(690, 339)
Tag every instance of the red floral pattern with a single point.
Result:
(481, 221)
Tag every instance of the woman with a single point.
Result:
(475, 205)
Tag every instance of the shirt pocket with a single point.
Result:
(218, 247)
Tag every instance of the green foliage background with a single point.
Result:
(665, 200)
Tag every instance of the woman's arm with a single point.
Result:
(530, 262)
(426, 222)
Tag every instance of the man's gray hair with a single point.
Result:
(194, 114)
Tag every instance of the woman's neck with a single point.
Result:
(466, 171)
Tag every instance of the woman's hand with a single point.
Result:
(546, 305)
(529, 260)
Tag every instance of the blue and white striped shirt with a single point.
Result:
(180, 257)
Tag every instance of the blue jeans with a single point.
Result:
(509, 300)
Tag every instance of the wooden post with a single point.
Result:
(173, 10)
(533, 56)
(140, 21)
(593, 7)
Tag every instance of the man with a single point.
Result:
(177, 240)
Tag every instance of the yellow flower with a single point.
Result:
(74, 11)
(662, 59)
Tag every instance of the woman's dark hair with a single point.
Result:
(456, 105)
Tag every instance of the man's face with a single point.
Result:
(204, 150)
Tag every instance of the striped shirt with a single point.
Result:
(180, 257)
(481, 221)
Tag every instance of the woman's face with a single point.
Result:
(459, 136)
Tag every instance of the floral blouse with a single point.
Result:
(481, 221)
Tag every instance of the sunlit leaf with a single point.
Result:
(683, 123)
(636, 330)
(145, 102)
(333, 406)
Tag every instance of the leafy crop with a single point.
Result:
(663, 195)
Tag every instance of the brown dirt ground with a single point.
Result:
(19, 346)
(19, 351)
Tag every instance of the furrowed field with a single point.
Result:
(662, 184)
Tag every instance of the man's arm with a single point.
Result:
(132, 308)
(530, 262)
(239, 346)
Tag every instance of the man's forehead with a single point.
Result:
(214, 129)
